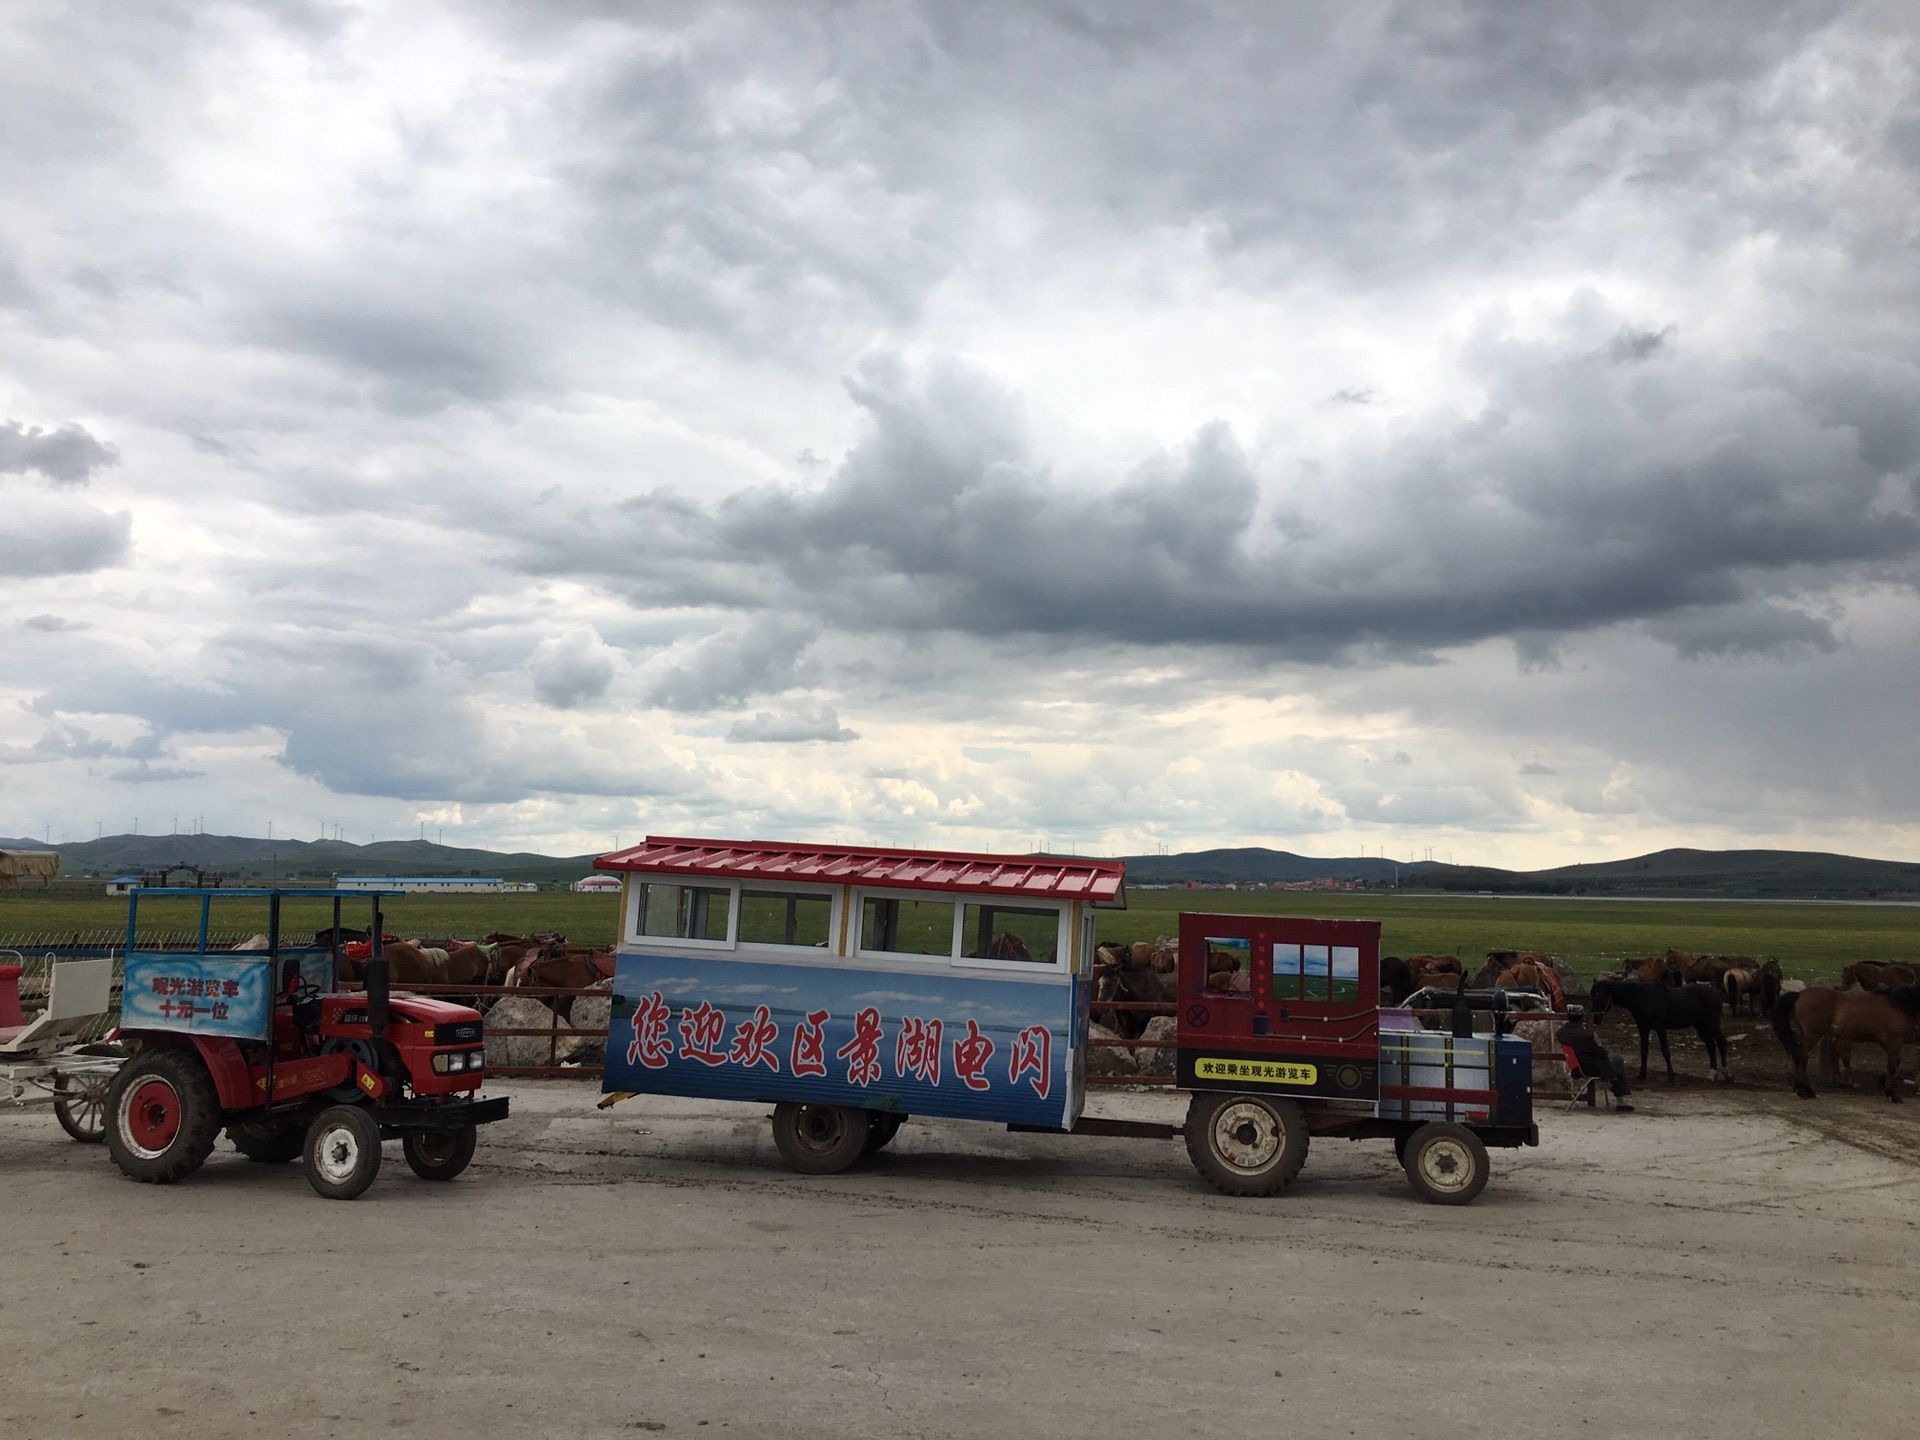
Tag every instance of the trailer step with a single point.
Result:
(1122, 1129)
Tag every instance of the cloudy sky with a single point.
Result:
(1466, 428)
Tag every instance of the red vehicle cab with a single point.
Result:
(1280, 1036)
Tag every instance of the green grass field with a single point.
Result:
(1808, 939)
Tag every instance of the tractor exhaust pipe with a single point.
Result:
(375, 977)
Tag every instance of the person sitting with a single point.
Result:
(1595, 1059)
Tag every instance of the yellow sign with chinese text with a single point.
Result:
(1261, 1072)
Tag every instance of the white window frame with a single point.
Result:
(858, 949)
(1060, 964)
(953, 959)
(631, 925)
(836, 897)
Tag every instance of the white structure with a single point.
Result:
(424, 884)
(597, 882)
(121, 884)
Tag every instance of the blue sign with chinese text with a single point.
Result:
(198, 994)
(970, 1046)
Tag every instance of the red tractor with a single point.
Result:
(260, 1043)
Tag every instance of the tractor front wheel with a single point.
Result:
(267, 1142)
(1447, 1164)
(163, 1116)
(439, 1154)
(820, 1139)
(342, 1151)
(1246, 1144)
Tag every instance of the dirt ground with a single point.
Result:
(1727, 1262)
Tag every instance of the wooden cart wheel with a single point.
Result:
(80, 1105)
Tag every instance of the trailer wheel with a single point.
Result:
(80, 1105)
(162, 1116)
(267, 1142)
(439, 1154)
(343, 1151)
(1246, 1144)
(819, 1139)
(1446, 1163)
(883, 1125)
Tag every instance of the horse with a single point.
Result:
(1650, 970)
(1008, 946)
(1878, 975)
(409, 963)
(1656, 1009)
(1120, 983)
(1424, 965)
(1888, 1020)
(560, 966)
(1770, 981)
(1396, 980)
(1739, 984)
(1534, 975)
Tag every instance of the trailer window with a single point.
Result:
(999, 932)
(1346, 972)
(1316, 968)
(907, 927)
(1286, 972)
(785, 917)
(1229, 971)
(683, 912)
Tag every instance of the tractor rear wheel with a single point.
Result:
(163, 1116)
(882, 1126)
(1447, 1164)
(1246, 1144)
(342, 1151)
(439, 1154)
(80, 1105)
(267, 1142)
(820, 1139)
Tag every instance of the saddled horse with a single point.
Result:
(554, 964)
(1802, 1019)
(1423, 966)
(411, 964)
(1651, 970)
(1534, 975)
(1657, 1009)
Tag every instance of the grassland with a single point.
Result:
(1808, 939)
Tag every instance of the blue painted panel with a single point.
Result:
(198, 994)
(973, 1047)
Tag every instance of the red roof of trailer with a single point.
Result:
(1048, 877)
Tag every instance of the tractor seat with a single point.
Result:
(10, 1015)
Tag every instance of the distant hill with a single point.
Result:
(1760, 874)
(1756, 874)
(237, 857)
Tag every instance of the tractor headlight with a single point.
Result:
(442, 1063)
(475, 1059)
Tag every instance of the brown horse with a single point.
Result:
(1123, 982)
(1805, 1018)
(554, 964)
(1651, 969)
(1741, 984)
(1423, 966)
(1878, 975)
(1533, 975)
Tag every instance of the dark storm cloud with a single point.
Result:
(1581, 494)
(67, 455)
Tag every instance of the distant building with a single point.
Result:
(121, 884)
(597, 882)
(425, 884)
